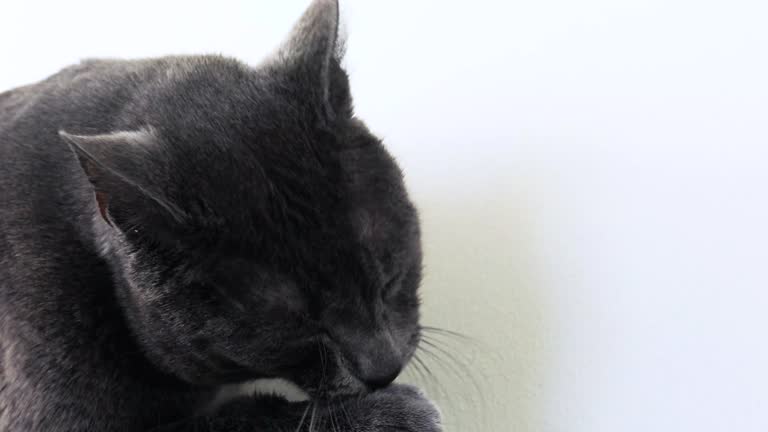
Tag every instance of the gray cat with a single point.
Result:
(174, 225)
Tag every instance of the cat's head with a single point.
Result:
(260, 229)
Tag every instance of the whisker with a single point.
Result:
(446, 332)
(313, 418)
(346, 413)
(456, 367)
(303, 416)
(323, 362)
(453, 358)
(431, 376)
(418, 367)
(448, 366)
(332, 418)
(422, 367)
(454, 353)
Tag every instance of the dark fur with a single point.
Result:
(168, 226)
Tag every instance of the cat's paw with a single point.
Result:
(397, 408)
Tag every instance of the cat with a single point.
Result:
(175, 225)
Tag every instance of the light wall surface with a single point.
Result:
(591, 177)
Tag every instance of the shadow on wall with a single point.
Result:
(482, 279)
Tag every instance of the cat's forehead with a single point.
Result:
(245, 150)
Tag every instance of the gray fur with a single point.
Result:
(175, 225)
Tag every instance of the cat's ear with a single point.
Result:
(314, 52)
(117, 162)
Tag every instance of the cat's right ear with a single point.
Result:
(315, 50)
(118, 160)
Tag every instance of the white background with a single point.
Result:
(591, 175)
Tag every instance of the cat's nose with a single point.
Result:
(376, 381)
(375, 357)
(378, 367)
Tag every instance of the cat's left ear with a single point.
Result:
(313, 54)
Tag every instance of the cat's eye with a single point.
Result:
(389, 288)
(391, 282)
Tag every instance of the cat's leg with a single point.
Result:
(398, 408)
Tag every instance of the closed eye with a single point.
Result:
(390, 287)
